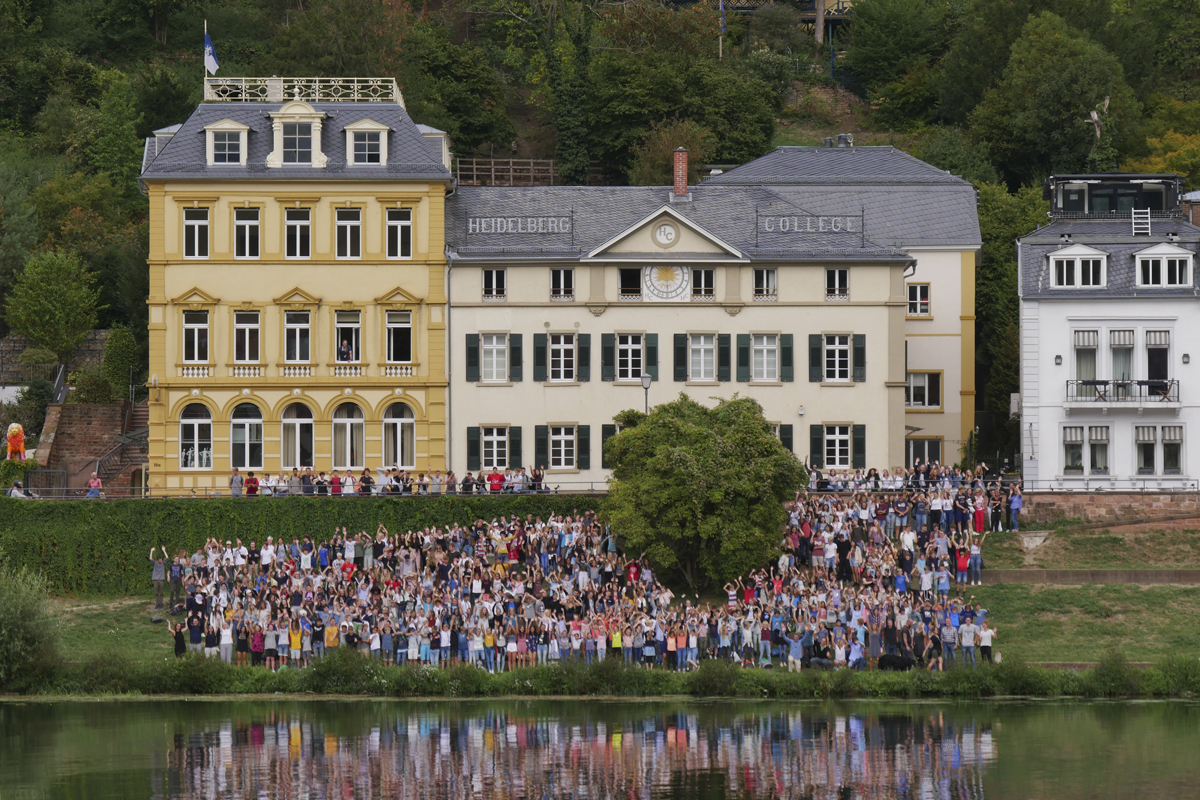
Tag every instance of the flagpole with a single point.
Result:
(204, 61)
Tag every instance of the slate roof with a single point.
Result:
(1115, 238)
(905, 201)
(597, 214)
(410, 155)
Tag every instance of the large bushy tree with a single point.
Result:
(54, 303)
(700, 490)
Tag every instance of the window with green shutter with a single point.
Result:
(652, 355)
(539, 357)
(473, 461)
(743, 357)
(787, 373)
(608, 356)
(681, 357)
(816, 446)
(583, 357)
(858, 447)
(515, 357)
(473, 358)
(860, 358)
(583, 446)
(785, 437)
(724, 357)
(514, 446)
(606, 433)
(541, 445)
(816, 358)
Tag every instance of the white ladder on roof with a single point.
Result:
(1141, 221)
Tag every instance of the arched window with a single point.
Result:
(246, 437)
(297, 436)
(195, 437)
(399, 437)
(349, 433)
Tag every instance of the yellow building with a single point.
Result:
(297, 301)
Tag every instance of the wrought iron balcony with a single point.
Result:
(310, 90)
(1128, 392)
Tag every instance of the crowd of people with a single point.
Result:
(875, 579)
(386, 481)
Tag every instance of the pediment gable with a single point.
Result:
(1078, 251)
(297, 296)
(195, 296)
(1165, 250)
(399, 296)
(668, 233)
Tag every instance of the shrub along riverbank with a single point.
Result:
(348, 673)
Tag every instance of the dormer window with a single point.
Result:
(226, 143)
(297, 136)
(1164, 265)
(366, 144)
(1078, 267)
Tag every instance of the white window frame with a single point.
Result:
(1153, 469)
(563, 449)
(561, 357)
(1173, 442)
(395, 321)
(837, 282)
(400, 436)
(348, 224)
(295, 430)
(252, 433)
(702, 357)
(562, 282)
(347, 323)
(493, 357)
(1072, 259)
(766, 282)
(1073, 437)
(399, 229)
(295, 132)
(920, 380)
(247, 337)
(295, 335)
(297, 230)
(352, 431)
(631, 357)
(1096, 440)
(247, 233)
(225, 127)
(366, 126)
(493, 447)
(838, 453)
(836, 348)
(197, 340)
(191, 430)
(495, 283)
(764, 357)
(919, 306)
(296, 112)
(704, 282)
(1168, 266)
(366, 146)
(195, 233)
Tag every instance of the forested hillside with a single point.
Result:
(999, 91)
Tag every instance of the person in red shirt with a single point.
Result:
(251, 486)
(495, 481)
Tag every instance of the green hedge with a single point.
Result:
(99, 548)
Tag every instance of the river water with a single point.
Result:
(311, 750)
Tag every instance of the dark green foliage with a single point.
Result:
(90, 386)
(953, 150)
(122, 360)
(14, 470)
(100, 548)
(162, 98)
(30, 408)
(887, 37)
(28, 627)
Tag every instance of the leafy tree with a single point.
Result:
(777, 27)
(1035, 121)
(114, 148)
(654, 160)
(161, 99)
(29, 646)
(886, 37)
(30, 407)
(53, 303)
(122, 359)
(700, 490)
(18, 227)
(1172, 152)
(58, 198)
(951, 149)
(90, 386)
(654, 26)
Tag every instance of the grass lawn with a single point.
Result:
(1098, 549)
(122, 626)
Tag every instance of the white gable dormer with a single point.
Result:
(225, 143)
(1164, 264)
(297, 135)
(1078, 266)
(665, 232)
(367, 143)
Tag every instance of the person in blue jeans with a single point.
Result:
(949, 641)
(1014, 508)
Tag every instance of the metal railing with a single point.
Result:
(505, 172)
(56, 489)
(1118, 216)
(1121, 391)
(311, 90)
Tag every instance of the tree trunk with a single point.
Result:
(819, 23)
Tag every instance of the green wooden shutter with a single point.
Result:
(785, 436)
(514, 446)
(539, 357)
(583, 447)
(860, 358)
(472, 358)
(681, 353)
(724, 357)
(583, 358)
(816, 370)
(606, 433)
(473, 460)
(515, 357)
(541, 445)
(608, 356)
(787, 372)
(743, 357)
(858, 447)
(651, 340)
(816, 446)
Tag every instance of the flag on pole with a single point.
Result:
(722, 17)
(210, 54)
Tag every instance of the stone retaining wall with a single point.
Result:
(1044, 508)
(87, 356)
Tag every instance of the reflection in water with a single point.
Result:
(504, 753)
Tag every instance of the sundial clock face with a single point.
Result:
(665, 283)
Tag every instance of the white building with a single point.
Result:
(562, 297)
(1109, 319)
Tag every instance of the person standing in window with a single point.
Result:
(345, 352)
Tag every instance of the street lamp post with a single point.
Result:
(646, 381)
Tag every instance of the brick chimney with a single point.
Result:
(680, 171)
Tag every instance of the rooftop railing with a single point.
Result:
(310, 90)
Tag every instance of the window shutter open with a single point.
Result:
(608, 356)
(606, 433)
(681, 355)
(651, 340)
(514, 446)
(583, 354)
(583, 445)
(785, 437)
(858, 447)
(743, 357)
(815, 368)
(541, 445)
(473, 359)
(473, 461)
(787, 372)
(860, 357)
(816, 446)
(724, 357)
(515, 357)
(539, 357)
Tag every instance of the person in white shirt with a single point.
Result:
(986, 635)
